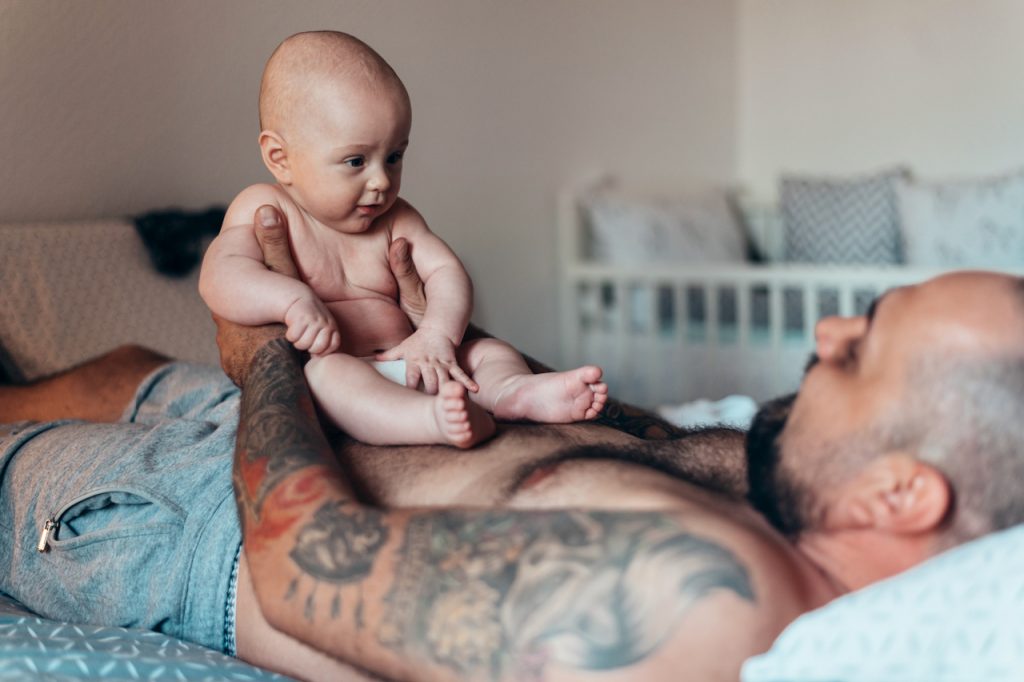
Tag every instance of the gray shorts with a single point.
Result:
(147, 533)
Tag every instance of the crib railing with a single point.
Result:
(672, 334)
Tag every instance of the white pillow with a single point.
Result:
(972, 223)
(634, 231)
(956, 617)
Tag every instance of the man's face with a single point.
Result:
(802, 450)
(346, 155)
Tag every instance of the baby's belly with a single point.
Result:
(369, 325)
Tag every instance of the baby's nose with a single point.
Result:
(379, 182)
(832, 334)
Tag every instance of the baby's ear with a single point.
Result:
(275, 156)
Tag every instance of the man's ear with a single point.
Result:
(894, 493)
(275, 156)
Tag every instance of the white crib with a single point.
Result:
(672, 334)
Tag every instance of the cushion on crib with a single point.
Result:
(841, 220)
(626, 230)
(970, 223)
(74, 290)
(956, 617)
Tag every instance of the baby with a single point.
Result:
(335, 122)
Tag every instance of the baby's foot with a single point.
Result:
(461, 422)
(555, 397)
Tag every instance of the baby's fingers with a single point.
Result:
(430, 380)
(295, 334)
(306, 339)
(412, 375)
(321, 341)
(460, 376)
(334, 343)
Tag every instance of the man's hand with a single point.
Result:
(429, 355)
(412, 297)
(238, 343)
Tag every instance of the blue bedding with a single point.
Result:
(35, 648)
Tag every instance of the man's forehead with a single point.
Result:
(975, 309)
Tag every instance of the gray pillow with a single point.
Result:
(977, 223)
(841, 220)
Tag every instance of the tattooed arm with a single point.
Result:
(459, 594)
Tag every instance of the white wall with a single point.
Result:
(114, 107)
(853, 85)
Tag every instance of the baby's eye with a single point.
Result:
(395, 157)
(354, 161)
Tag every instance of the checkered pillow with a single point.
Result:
(841, 220)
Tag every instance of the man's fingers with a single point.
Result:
(400, 259)
(272, 235)
(411, 294)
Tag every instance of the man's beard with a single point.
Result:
(772, 490)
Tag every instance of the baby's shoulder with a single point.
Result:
(262, 193)
(404, 219)
(243, 206)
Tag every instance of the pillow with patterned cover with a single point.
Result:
(72, 291)
(626, 230)
(975, 223)
(849, 220)
(955, 617)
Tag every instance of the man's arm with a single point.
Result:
(458, 594)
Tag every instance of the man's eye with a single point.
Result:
(354, 162)
(853, 351)
(395, 157)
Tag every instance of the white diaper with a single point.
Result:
(389, 369)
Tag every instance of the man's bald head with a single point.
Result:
(307, 61)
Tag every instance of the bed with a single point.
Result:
(726, 318)
(86, 287)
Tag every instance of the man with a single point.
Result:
(668, 581)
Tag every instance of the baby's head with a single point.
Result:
(334, 120)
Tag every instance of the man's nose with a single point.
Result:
(834, 334)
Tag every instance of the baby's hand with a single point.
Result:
(429, 355)
(311, 327)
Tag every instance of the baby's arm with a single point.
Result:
(430, 352)
(236, 285)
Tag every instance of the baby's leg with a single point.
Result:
(510, 391)
(374, 410)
